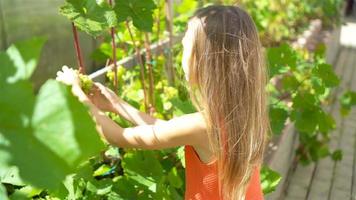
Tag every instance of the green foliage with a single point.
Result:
(280, 20)
(89, 16)
(347, 100)
(326, 74)
(269, 180)
(280, 59)
(95, 17)
(337, 155)
(278, 116)
(24, 60)
(3, 194)
(54, 128)
(306, 81)
(139, 11)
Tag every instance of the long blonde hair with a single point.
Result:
(227, 79)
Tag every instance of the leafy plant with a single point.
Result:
(44, 137)
(301, 95)
(270, 180)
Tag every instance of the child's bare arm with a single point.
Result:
(107, 100)
(134, 115)
(185, 130)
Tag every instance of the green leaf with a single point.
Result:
(337, 155)
(61, 123)
(318, 149)
(143, 167)
(124, 188)
(347, 101)
(320, 51)
(326, 122)
(42, 139)
(269, 180)
(318, 85)
(89, 16)
(174, 178)
(144, 163)
(306, 119)
(280, 58)
(101, 187)
(139, 11)
(326, 73)
(181, 156)
(278, 116)
(304, 100)
(43, 168)
(10, 175)
(182, 107)
(25, 56)
(290, 83)
(26, 192)
(3, 194)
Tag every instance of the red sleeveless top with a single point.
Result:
(202, 180)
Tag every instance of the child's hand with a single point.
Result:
(70, 77)
(103, 97)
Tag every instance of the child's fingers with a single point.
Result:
(59, 73)
(65, 67)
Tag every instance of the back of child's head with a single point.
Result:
(227, 76)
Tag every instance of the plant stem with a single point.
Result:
(78, 50)
(150, 73)
(158, 31)
(114, 58)
(140, 62)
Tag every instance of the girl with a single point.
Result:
(223, 64)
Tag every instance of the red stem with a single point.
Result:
(78, 50)
(114, 57)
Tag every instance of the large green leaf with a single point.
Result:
(62, 123)
(35, 162)
(325, 72)
(3, 195)
(89, 16)
(42, 139)
(143, 167)
(306, 120)
(138, 10)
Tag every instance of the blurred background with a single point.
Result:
(24, 19)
